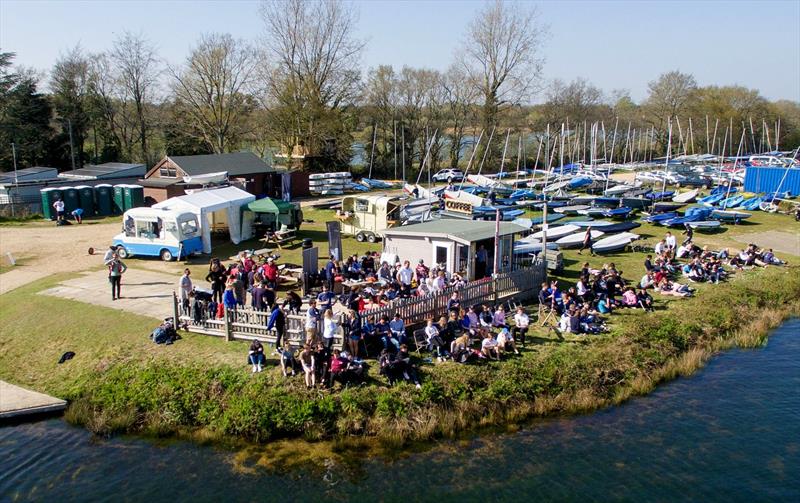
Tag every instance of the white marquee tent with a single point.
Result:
(207, 202)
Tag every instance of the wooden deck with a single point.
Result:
(17, 403)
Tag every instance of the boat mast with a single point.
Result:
(669, 149)
(471, 157)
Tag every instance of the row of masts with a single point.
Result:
(594, 144)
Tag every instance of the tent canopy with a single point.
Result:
(204, 203)
(268, 205)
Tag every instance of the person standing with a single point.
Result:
(115, 271)
(109, 255)
(329, 329)
(185, 289)
(404, 277)
(59, 207)
(587, 241)
(216, 276)
(481, 259)
(689, 232)
(277, 321)
(312, 320)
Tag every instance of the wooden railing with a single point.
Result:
(248, 324)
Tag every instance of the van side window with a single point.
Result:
(188, 228)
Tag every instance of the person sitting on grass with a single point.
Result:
(287, 359)
(384, 331)
(308, 362)
(521, 322)
(338, 368)
(666, 287)
(435, 342)
(499, 318)
(489, 347)
(256, 355)
(629, 298)
(644, 300)
(406, 368)
(505, 341)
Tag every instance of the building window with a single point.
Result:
(441, 256)
(167, 172)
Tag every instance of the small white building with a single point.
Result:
(453, 243)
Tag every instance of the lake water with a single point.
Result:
(731, 432)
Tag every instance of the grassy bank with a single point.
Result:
(120, 382)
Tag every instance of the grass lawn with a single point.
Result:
(120, 381)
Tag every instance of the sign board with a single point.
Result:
(311, 261)
(334, 239)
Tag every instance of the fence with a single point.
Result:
(248, 324)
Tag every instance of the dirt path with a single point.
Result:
(46, 249)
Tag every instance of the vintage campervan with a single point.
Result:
(169, 234)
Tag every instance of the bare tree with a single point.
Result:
(111, 105)
(669, 97)
(137, 70)
(212, 87)
(503, 55)
(69, 83)
(314, 59)
(459, 95)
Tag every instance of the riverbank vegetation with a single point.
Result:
(120, 382)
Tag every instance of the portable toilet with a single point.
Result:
(72, 199)
(49, 196)
(133, 196)
(86, 197)
(118, 207)
(104, 199)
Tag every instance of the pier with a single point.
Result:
(17, 403)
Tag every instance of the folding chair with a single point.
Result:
(420, 340)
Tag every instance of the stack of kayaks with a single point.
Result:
(329, 184)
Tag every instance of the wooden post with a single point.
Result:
(175, 318)
(228, 322)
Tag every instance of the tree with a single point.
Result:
(25, 116)
(313, 60)
(137, 71)
(70, 87)
(211, 89)
(502, 56)
(669, 97)
(577, 101)
(459, 95)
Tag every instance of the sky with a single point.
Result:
(613, 44)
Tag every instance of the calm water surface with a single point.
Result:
(730, 432)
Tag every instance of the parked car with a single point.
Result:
(449, 175)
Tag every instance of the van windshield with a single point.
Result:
(188, 228)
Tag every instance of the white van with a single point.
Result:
(169, 234)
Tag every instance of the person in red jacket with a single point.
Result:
(271, 273)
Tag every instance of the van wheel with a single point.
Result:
(360, 237)
(122, 252)
(372, 238)
(166, 255)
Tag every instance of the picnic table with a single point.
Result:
(279, 238)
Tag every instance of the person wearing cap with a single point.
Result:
(271, 273)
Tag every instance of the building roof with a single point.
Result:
(159, 183)
(29, 174)
(463, 231)
(235, 163)
(106, 170)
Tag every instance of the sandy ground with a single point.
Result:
(143, 292)
(45, 250)
(786, 242)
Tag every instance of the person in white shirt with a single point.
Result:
(670, 240)
(59, 207)
(489, 347)
(435, 341)
(329, 328)
(185, 289)
(521, 322)
(404, 276)
(660, 247)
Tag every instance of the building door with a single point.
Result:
(441, 254)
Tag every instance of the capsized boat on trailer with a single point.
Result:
(705, 224)
(730, 215)
(576, 239)
(686, 197)
(615, 242)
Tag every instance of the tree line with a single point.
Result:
(300, 89)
